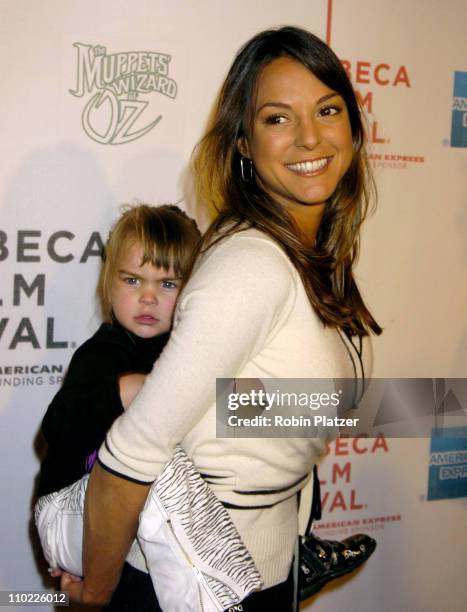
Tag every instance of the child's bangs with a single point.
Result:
(160, 255)
(163, 248)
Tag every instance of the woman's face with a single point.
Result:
(301, 140)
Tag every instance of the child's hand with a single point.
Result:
(129, 386)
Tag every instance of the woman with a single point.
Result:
(272, 294)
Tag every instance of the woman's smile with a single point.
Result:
(309, 167)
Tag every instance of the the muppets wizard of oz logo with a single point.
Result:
(114, 112)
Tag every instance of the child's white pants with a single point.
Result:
(59, 521)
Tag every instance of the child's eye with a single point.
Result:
(275, 119)
(169, 284)
(132, 281)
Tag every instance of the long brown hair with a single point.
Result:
(326, 268)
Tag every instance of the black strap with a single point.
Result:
(315, 513)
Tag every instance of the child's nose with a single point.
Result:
(149, 297)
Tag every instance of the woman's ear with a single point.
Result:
(243, 148)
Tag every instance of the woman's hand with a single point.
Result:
(73, 585)
(76, 589)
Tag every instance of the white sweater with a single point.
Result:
(244, 313)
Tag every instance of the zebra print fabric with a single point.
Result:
(205, 533)
(70, 498)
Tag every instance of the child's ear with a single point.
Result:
(243, 147)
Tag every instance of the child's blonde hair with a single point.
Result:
(166, 235)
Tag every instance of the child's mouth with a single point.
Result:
(146, 319)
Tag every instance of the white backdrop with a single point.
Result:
(60, 189)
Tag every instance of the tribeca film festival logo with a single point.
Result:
(368, 78)
(114, 113)
(26, 320)
(459, 111)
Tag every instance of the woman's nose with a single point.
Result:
(308, 133)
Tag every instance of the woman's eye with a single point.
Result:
(275, 119)
(169, 285)
(328, 111)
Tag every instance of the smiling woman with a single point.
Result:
(285, 151)
(300, 142)
(272, 294)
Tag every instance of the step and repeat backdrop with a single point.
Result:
(102, 102)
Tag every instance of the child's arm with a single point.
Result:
(80, 414)
(129, 386)
(89, 401)
(82, 411)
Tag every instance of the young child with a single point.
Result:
(146, 257)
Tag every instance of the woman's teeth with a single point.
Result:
(309, 166)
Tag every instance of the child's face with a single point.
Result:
(142, 296)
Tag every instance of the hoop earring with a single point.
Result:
(246, 169)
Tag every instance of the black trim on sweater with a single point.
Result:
(122, 476)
